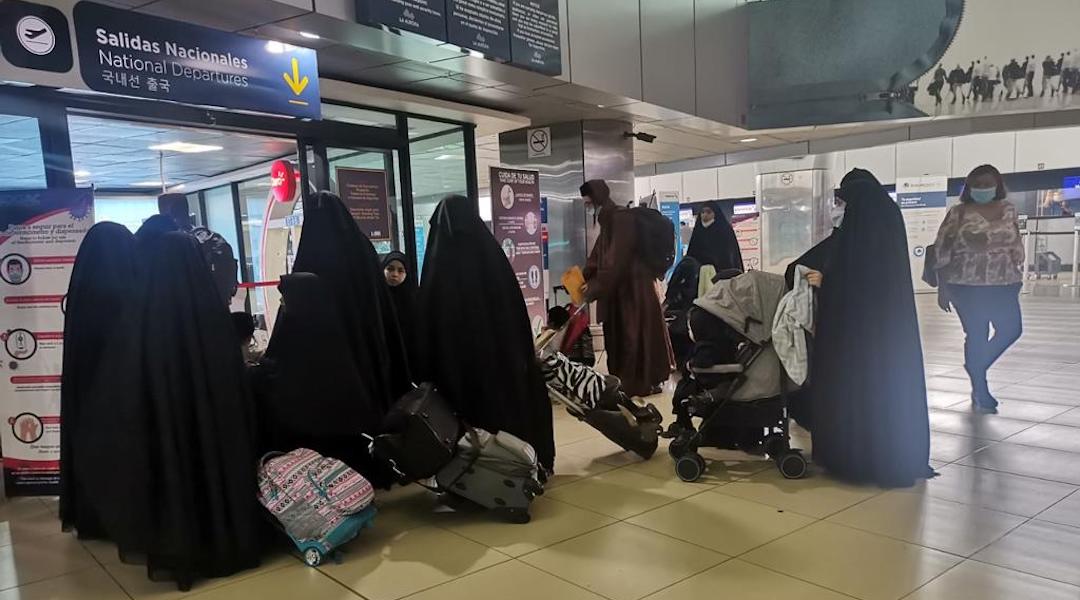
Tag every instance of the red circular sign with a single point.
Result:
(283, 178)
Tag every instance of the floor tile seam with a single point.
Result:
(677, 539)
(41, 579)
(588, 510)
(1075, 492)
(949, 552)
(431, 587)
(563, 579)
(813, 521)
(802, 514)
(221, 582)
(792, 576)
(69, 573)
(196, 594)
(569, 539)
(1015, 443)
(966, 402)
(981, 506)
(1074, 484)
(933, 579)
(1015, 570)
(1029, 424)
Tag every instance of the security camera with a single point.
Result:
(648, 138)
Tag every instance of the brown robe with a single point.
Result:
(628, 304)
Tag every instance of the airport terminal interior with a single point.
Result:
(539, 299)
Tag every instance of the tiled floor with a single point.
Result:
(1002, 520)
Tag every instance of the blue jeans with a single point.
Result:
(979, 307)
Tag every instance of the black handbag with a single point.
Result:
(929, 269)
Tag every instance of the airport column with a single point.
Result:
(567, 155)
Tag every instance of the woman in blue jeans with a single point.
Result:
(979, 253)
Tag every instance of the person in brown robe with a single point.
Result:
(627, 297)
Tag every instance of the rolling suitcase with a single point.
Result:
(420, 435)
(498, 472)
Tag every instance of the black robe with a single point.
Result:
(166, 443)
(868, 384)
(475, 337)
(716, 244)
(103, 276)
(307, 384)
(333, 247)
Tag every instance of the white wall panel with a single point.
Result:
(699, 186)
(605, 45)
(924, 157)
(672, 182)
(1042, 149)
(667, 53)
(642, 187)
(970, 151)
(737, 181)
(879, 160)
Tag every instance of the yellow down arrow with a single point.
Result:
(296, 83)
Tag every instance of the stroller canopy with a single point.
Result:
(747, 303)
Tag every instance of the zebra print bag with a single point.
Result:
(573, 379)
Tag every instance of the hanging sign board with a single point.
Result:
(535, 42)
(365, 193)
(524, 33)
(480, 25)
(42, 230)
(516, 224)
(132, 54)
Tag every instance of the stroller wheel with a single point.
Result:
(517, 516)
(690, 467)
(792, 464)
(312, 557)
(678, 447)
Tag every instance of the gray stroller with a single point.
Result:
(742, 405)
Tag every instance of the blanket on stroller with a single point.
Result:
(574, 379)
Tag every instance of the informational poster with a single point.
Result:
(516, 224)
(480, 25)
(365, 194)
(748, 233)
(922, 201)
(40, 233)
(535, 41)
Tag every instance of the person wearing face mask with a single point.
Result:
(713, 241)
(817, 258)
(978, 256)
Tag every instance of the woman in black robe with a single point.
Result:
(868, 384)
(713, 241)
(103, 276)
(166, 442)
(308, 387)
(333, 248)
(476, 341)
(403, 290)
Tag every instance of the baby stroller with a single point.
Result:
(742, 405)
(597, 400)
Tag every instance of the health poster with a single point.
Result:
(748, 233)
(516, 224)
(40, 233)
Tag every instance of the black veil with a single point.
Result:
(333, 248)
(475, 338)
(166, 443)
(311, 394)
(716, 244)
(867, 379)
(403, 297)
(103, 276)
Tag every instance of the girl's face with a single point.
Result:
(395, 274)
(707, 216)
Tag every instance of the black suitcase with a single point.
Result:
(420, 434)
